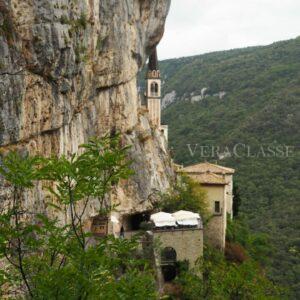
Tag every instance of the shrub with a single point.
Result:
(45, 259)
(221, 279)
(235, 253)
(185, 195)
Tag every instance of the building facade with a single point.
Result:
(176, 238)
(186, 242)
(217, 181)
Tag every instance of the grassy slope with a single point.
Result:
(261, 106)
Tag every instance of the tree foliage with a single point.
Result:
(215, 277)
(48, 258)
(186, 194)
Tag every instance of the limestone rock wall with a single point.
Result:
(68, 71)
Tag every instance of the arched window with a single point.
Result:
(154, 89)
(168, 263)
(168, 255)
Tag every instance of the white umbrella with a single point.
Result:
(162, 219)
(184, 217)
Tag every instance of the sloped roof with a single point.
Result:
(207, 167)
(209, 178)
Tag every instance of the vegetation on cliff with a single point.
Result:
(224, 279)
(45, 258)
(260, 111)
(186, 194)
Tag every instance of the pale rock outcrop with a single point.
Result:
(68, 71)
(204, 94)
(168, 99)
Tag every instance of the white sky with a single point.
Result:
(200, 26)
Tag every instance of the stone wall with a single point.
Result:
(188, 243)
(215, 230)
(229, 194)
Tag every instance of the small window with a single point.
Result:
(99, 226)
(217, 207)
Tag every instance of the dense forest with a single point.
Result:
(241, 108)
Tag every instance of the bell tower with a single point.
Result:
(153, 90)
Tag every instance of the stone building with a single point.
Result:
(153, 94)
(169, 240)
(176, 237)
(218, 183)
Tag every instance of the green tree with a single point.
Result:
(186, 194)
(236, 200)
(221, 279)
(46, 258)
(257, 245)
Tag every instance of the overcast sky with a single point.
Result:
(201, 26)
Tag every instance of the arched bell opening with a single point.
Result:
(154, 89)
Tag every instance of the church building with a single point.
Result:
(217, 181)
(153, 94)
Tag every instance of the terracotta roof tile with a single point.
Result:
(209, 178)
(207, 167)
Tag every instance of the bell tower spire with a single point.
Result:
(153, 92)
(153, 61)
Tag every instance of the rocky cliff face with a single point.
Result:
(68, 71)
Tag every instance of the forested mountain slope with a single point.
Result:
(250, 98)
